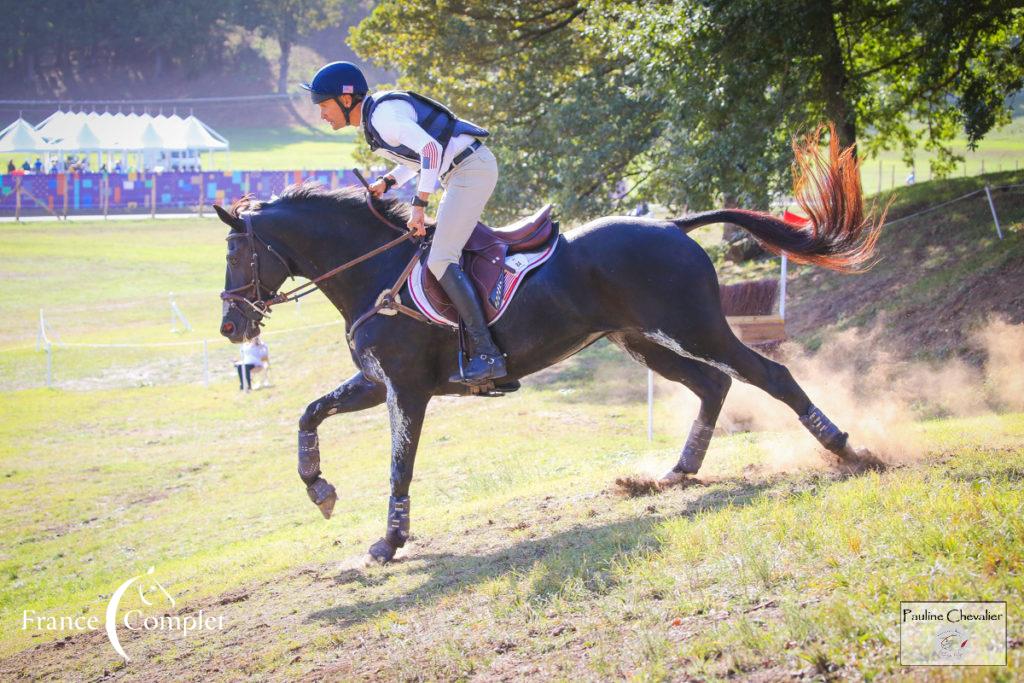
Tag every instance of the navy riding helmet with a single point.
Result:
(337, 79)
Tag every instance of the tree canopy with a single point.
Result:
(696, 102)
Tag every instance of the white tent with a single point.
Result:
(160, 141)
(20, 136)
(128, 132)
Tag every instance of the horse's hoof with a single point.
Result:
(382, 552)
(859, 460)
(327, 505)
(674, 478)
(323, 496)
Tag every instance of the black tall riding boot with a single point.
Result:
(485, 359)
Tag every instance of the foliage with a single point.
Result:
(52, 40)
(287, 21)
(696, 102)
(110, 32)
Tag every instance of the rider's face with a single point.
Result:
(332, 113)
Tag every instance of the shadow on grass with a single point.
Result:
(583, 553)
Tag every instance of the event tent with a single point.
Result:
(159, 141)
(20, 136)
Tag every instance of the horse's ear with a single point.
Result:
(236, 223)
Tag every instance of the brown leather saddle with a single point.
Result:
(483, 260)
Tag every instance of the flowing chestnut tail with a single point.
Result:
(838, 235)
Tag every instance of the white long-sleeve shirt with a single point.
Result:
(395, 120)
(253, 352)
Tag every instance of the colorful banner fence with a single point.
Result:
(172, 192)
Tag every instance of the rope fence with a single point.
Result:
(90, 365)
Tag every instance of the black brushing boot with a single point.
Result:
(485, 360)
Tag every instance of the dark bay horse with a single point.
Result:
(642, 283)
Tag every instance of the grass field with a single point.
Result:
(291, 148)
(525, 562)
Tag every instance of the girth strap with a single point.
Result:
(388, 301)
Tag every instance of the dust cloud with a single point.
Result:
(870, 393)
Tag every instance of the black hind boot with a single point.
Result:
(485, 360)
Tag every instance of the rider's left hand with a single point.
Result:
(417, 222)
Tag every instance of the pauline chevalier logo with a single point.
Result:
(953, 633)
(137, 619)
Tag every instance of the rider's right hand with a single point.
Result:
(378, 188)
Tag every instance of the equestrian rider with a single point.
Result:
(425, 137)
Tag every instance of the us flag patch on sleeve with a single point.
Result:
(431, 156)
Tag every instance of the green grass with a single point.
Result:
(1001, 150)
(291, 148)
(524, 564)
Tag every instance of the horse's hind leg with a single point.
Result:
(716, 345)
(709, 384)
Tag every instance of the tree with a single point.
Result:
(696, 102)
(288, 21)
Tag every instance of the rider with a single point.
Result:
(425, 137)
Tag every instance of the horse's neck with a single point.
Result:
(353, 291)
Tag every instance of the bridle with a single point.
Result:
(249, 298)
(254, 306)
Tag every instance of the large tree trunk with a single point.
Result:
(834, 76)
(282, 66)
(282, 86)
(30, 68)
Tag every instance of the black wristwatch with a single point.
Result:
(389, 182)
(416, 201)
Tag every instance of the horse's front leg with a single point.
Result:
(358, 393)
(406, 409)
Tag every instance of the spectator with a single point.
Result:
(103, 168)
(641, 209)
(255, 358)
(912, 178)
(117, 168)
(620, 190)
(53, 167)
(38, 166)
(25, 166)
(10, 166)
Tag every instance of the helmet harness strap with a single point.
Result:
(356, 100)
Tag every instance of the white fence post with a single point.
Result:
(782, 287)
(49, 365)
(650, 404)
(177, 315)
(995, 217)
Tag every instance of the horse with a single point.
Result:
(642, 283)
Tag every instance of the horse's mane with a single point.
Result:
(348, 199)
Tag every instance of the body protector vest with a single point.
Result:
(436, 119)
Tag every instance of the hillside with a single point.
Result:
(939, 277)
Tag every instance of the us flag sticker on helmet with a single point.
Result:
(346, 89)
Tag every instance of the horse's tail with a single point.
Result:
(838, 235)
